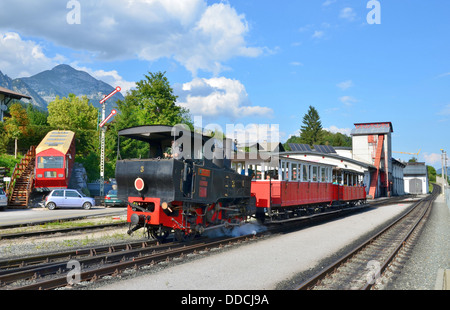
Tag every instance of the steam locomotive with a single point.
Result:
(186, 184)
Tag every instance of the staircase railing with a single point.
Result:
(18, 171)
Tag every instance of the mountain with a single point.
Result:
(63, 80)
(21, 87)
(439, 171)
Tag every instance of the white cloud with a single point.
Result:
(443, 74)
(296, 64)
(254, 133)
(433, 158)
(23, 58)
(347, 13)
(197, 35)
(328, 2)
(218, 97)
(345, 85)
(348, 100)
(110, 77)
(318, 34)
(335, 129)
(445, 110)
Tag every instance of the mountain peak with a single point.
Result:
(64, 68)
(63, 80)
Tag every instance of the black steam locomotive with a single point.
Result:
(186, 184)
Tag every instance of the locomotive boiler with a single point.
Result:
(185, 186)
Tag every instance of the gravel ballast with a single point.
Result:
(278, 262)
(431, 253)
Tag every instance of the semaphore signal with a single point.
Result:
(103, 129)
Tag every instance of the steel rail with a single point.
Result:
(136, 263)
(330, 269)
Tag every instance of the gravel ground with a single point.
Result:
(278, 262)
(14, 248)
(431, 253)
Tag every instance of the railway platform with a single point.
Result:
(36, 216)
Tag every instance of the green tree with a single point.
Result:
(36, 116)
(79, 115)
(72, 113)
(16, 125)
(413, 160)
(431, 174)
(151, 103)
(311, 130)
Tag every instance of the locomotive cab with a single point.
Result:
(185, 185)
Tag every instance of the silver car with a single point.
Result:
(61, 198)
(3, 200)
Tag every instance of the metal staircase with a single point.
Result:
(22, 181)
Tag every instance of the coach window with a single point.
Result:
(294, 172)
(258, 172)
(305, 173)
(314, 173)
(322, 174)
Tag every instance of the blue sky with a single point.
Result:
(257, 62)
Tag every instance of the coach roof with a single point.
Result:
(58, 140)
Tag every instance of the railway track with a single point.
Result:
(365, 266)
(52, 275)
(50, 271)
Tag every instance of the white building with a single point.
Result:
(416, 178)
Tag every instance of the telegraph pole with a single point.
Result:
(102, 144)
(444, 180)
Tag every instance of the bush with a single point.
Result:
(9, 161)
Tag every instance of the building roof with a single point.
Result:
(398, 162)
(58, 140)
(415, 169)
(331, 155)
(12, 94)
(372, 128)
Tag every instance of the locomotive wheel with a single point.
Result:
(159, 234)
(183, 236)
(212, 212)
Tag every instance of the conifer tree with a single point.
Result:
(311, 131)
